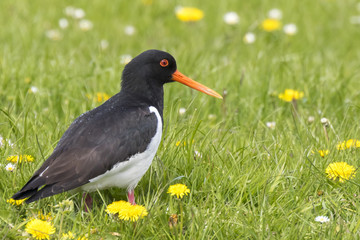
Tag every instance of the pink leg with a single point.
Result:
(88, 202)
(131, 197)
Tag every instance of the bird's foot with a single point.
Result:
(131, 197)
(88, 202)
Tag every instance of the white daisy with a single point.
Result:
(324, 121)
(78, 13)
(104, 44)
(322, 219)
(249, 38)
(85, 25)
(311, 119)
(129, 30)
(10, 167)
(231, 18)
(53, 34)
(63, 23)
(211, 116)
(355, 20)
(275, 14)
(182, 111)
(271, 125)
(9, 143)
(33, 89)
(69, 11)
(290, 29)
(125, 59)
(197, 154)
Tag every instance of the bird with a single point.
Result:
(113, 145)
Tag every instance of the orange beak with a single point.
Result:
(181, 78)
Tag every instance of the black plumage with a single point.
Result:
(110, 134)
(92, 145)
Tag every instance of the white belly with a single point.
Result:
(128, 174)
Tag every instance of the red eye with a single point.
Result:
(164, 63)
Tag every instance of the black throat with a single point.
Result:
(143, 93)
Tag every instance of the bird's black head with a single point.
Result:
(152, 67)
(144, 76)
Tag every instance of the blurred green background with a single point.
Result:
(251, 181)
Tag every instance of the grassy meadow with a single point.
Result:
(251, 160)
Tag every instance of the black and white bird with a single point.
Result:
(114, 144)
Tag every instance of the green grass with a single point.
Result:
(251, 182)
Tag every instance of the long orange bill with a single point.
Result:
(181, 78)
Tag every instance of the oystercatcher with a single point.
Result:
(114, 144)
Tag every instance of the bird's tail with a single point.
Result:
(30, 190)
(37, 188)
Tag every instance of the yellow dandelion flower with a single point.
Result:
(289, 95)
(147, 2)
(178, 143)
(102, 97)
(323, 153)
(351, 143)
(15, 202)
(40, 229)
(341, 146)
(13, 159)
(126, 211)
(133, 213)
(99, 97)
(66, 236)
(27, 80)
(82, 238)
(189, 14)
(341, 171)
(271, 25)
(117, 206)
(20, 158)
(178, 190)
(46, 217)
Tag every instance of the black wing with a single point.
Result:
(92, 145)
